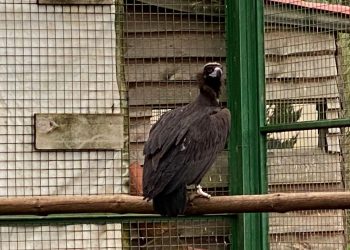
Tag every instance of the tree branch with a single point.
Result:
(123, 204)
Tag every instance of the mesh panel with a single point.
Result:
(55, 59)
(82, 59)
(153, 233)
(81, 236)
(180, 234)
(166, 45)
(306, 49)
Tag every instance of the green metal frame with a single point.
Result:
(338, 123)
(246, 80)
(70, 219)
(245, 64)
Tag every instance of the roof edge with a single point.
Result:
(331, 8)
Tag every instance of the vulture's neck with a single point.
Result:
(208, 96)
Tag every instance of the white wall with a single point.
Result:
(54, 59)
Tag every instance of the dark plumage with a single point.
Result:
(184, 143)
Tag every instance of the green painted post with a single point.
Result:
(245, 64)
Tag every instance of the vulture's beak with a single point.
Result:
(216, 73)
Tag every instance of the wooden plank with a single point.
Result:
(333, 143)
(78, 131)
(189, 7)
(71, 2)
(310, 169)
(280, 224)
(276, 42)
(180, 228)
(323, 221)
(175, 242)
(217, 176)
(312, 241)
(135, 178)
(175, 45)
(168, 93)
(274, 14)
(139, 112)
(177, 93)
(303, 166)
(286, 167)
(307, 187)
(165, 94)
(334, 131)
(139, 130)
(153, 22)
(160, 71)
(333, 104)
(332, 114)
(307, 91)
(276, 68)
(136, 152)
(291, 42)
(301, 67)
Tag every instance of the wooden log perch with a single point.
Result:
(123, 204)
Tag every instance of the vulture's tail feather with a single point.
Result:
(171, 204)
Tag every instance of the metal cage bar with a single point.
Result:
(245, 60)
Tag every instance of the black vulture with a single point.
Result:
(184, 143)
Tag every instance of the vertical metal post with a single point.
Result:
(245, 80)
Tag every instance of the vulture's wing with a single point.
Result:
(210, 138)
(181, 149)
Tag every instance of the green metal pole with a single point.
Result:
(245, 64)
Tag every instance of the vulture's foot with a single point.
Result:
(202, 193)
(192, 197)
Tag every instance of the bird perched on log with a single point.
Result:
(184, 143)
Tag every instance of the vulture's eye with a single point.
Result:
(210, 70)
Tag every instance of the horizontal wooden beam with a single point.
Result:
(126, 204)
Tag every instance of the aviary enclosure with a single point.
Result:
(110, 68)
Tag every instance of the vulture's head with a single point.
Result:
(211, 77)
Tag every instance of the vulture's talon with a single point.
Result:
(201, 193)
(192, 197)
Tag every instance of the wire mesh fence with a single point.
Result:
(55, 59)
(61, 236)
(205, 233)
(136, 233)
(166, 45)
(306, 49)
(142, 57)
(78, 59)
